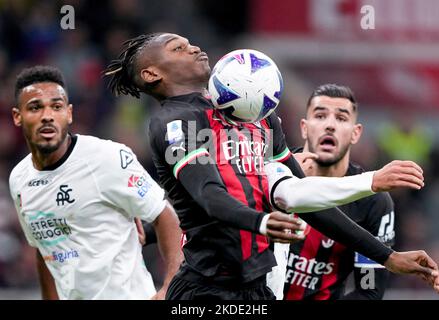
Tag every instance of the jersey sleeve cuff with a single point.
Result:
(157, 211)
(367, 180)
(263, 225)
(187, 159)
(284, 155)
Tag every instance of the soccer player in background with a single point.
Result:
(76, 198)
(317, 267)
(223, 211)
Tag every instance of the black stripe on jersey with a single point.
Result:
(265, 202)
(246, 185)
(323, 255)
(296, 249)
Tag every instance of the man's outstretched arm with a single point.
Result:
(168, 232)
(291, 194)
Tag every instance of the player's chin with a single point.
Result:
(326, 159)
(48, 146)
(204, 68)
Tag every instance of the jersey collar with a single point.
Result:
(64, 157)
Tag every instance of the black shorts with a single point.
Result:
(183, 289)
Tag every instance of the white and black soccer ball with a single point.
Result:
(245, 85)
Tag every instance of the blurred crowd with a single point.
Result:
(30, 34)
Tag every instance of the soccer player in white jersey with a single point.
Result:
(77, 197)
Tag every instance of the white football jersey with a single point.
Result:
(80, 216)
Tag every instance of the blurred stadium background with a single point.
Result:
(393, 69)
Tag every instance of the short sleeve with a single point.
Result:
(125, 184)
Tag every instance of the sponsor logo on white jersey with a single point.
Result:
(38, 182)
(47, 229)
(61, 256)
(126, 158)
(141, 183)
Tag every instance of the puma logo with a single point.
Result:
(180, 147)
(328, 243)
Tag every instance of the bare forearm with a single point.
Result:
(47, 284)
(169, 237)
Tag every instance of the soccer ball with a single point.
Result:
(245, 85)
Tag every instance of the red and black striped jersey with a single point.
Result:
(195, 149)
(317, 267)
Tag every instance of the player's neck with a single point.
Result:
(338, 169)
(42, 160)
(179, 90)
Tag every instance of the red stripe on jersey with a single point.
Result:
(264, 124)
(231, 181)
(309, 251)
(246, 244)
(330, 279)
(262, 242)
(253, 179)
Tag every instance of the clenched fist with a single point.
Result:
(282, 228)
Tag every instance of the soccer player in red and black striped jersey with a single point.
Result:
(212, 170)
(317, 267)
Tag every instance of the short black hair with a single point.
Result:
(123, 69)
(38, 74)
(334, 91)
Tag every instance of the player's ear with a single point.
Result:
(70, 113)
(150, 75)
(304, 129)
(356, 133)
(16, 116)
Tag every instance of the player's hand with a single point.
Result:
(415, 262)
(306, 161)
(140, 231)
(160, 295)
(398, 174)
(282, 228)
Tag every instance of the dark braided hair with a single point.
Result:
(123, 71)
